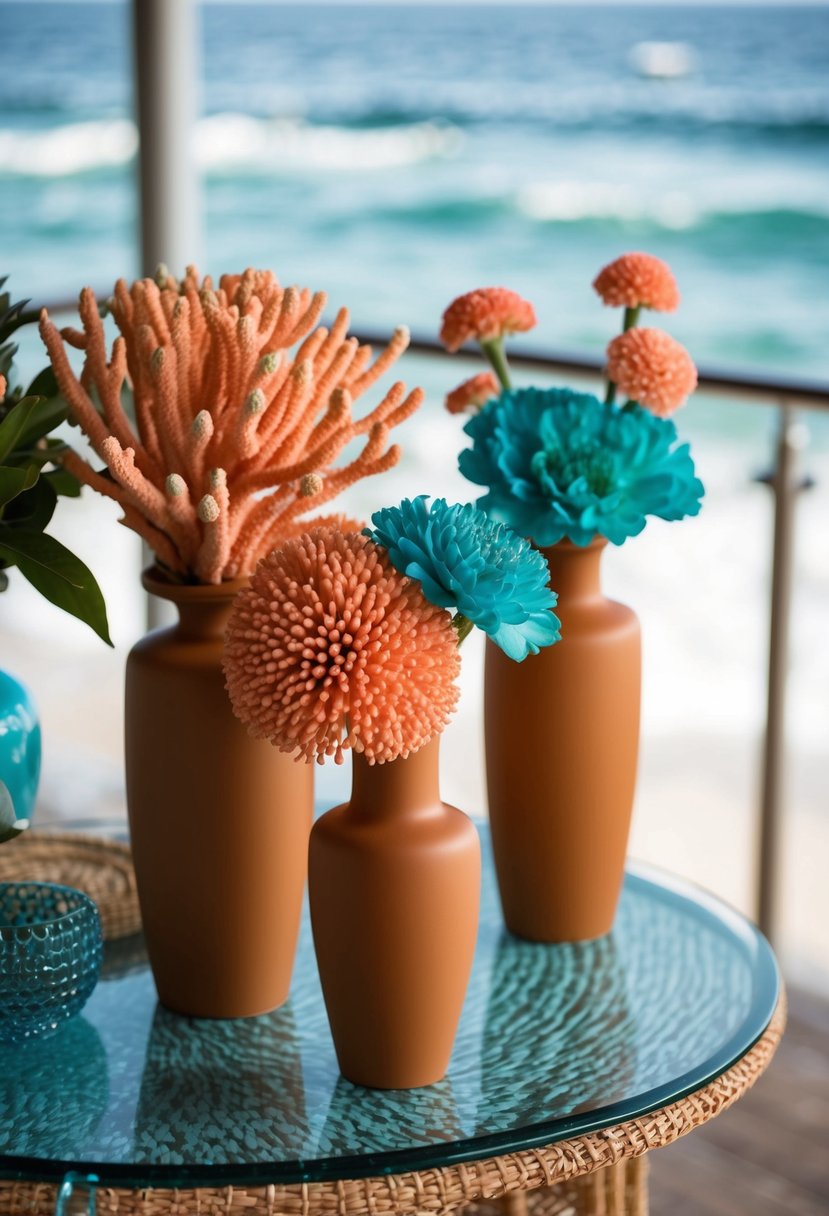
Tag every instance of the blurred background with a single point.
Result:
(397, 155)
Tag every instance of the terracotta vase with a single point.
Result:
(394, 881)
(219, 821)
(562, 740)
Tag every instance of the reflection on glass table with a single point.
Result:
(555, 1041)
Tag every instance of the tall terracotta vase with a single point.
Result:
(562, 740)
(394, 882)
(219, 821)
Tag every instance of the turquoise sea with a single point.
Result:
(397, 155)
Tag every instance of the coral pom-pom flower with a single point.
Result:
(472, 394)
(330, 648)
(486, 314)
(652, 368)
(464, 560)
(638, 280)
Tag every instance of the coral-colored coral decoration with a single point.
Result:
(228, 424)
(468, 397)
(331, 648)
(638, 280)
(485, 314)
(652, 368)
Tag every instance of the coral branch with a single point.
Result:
(234, 438)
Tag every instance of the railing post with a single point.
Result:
(166, 59)
(785, 484)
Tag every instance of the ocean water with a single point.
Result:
(397, 155)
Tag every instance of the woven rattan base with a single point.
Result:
(102, 868)
(616, 1190)
(441, 1191)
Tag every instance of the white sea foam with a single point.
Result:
(683, 205)
(229, 142)
(64, 151)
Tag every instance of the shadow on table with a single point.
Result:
(220, 1091)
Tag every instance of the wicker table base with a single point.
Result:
(591, 1175)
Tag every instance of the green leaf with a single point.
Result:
(48, 413)
(44, 384)
(10, 826)
(64, 482)
(7, 353)
(34, 508)
(15, 423)
(15, 481)
(58, 575)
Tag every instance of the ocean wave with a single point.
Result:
(233, 141)
(663, 105)
(64, 151)
(575, 201)
(229, 143)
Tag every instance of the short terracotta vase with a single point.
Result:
(562, 742)
(394, 882)
(219, 822)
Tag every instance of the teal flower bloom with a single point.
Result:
(466, 561)
(561, 464)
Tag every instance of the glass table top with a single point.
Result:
(554, 1041)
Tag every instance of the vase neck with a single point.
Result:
(206, 621)
(398, 787)
(575, 570)
(203, 609)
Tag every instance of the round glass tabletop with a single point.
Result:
(554, 1041)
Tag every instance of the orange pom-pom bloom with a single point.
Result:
(652, 368)
(2, 387)
(468, 397)
(638, 280)
(485, 314)
(330, 647)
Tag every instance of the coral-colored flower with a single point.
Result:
(2, 387)
(652, 368)
(485, 314)
(638, 280)
(473, 393)
(338, 523)
(330, 648)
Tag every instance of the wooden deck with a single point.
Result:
(768, 1155)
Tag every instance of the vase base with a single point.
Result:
(548, 937)
(218, 1010)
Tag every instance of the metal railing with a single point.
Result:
(786, 483)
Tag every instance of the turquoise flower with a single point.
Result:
(561, 464)
(466, 561)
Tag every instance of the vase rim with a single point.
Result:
(156, 582)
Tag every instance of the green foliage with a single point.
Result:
(31, 480)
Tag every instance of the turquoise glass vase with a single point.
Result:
(19, 745)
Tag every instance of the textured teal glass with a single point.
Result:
(19, 745)
(554, 1041)
(50, 957)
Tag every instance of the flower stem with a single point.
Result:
(631, 319)
(462, 625)
(497, 358)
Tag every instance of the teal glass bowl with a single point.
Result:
(50, 957)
